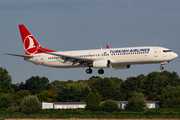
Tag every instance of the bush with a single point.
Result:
(13, 109)
(150, 112)
(109, 106)
(135, 104)
(5, 101)
(92, 107)
(20, 95)
(30, 104)
(92, 101)
(172, 102)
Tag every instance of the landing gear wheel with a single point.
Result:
(161, 68)
(89, 71)
(100, 71)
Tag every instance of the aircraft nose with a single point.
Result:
(174, 55)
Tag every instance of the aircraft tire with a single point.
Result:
(100, 71)
(88, 71)
(161, 68)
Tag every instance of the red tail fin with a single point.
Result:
(30, 43)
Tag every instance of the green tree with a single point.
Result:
(30, 104)
(0, 88)
(148, 82)
(79, 86)
(92, 101)
(5, 100)
(153, 84)
(172, 78)
(59, 85)
(116, 80)
(85, 92)
(160, 82)
(140, 80)
(71, 94)
(109, 106)
(93, 77)
(20, 95)
(137, 95)
(15, 87)
(92, 80)
(170, 95)
(172, 102)
(36, 84)
(106, 88)
(5, 81)
(129, 86)
(47, 96)
(153, 96)
(135, 104)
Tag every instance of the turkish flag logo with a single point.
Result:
(29, 45)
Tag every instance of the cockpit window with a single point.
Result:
(166, 50)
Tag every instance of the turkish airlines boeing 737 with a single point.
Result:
(118, 58)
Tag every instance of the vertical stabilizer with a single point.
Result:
(31, 46)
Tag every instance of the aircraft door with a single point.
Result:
(155, 52)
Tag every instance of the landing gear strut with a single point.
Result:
(89, 71)
(101, 71)
(161, 67)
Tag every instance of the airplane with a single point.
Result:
(118, 58)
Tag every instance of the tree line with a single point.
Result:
(156, 86)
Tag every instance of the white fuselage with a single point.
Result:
(116, 56)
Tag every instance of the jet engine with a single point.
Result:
(121, 66)
(101, 64)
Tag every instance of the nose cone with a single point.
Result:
(174, 55)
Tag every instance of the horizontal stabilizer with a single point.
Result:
(24, 56)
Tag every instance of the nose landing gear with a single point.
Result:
(161, 67)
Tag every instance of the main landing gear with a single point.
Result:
(101, 71)
(89, 71)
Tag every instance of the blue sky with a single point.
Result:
(87, 24)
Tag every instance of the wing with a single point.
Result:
(24, 56)
(72, 59)
(66, 58)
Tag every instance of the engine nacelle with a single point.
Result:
(101, 64)
(121, 66)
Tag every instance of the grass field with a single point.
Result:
(160, 113)
(96, 119)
